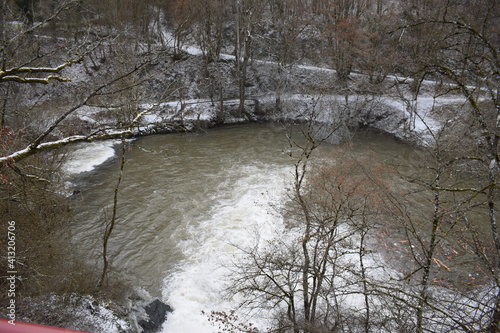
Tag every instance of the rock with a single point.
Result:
(157, 313)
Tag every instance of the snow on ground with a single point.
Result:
(86, 156)
(424, 123)
(79, 312)
(156, 116)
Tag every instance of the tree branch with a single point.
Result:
(13, 74)
(31, 150)
(36, 145)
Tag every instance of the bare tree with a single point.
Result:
(341, 27)
(247, 15)
(308, 271)
(110, 225)
(289, 19)
(32, 63)
(464, 53)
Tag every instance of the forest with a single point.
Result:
(85, 71)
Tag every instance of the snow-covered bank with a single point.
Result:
(415, 121)
(79, 312)
(389, 107)
(91, 314)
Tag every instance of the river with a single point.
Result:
(184, 201)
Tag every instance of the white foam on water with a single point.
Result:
(86, 156)
(198, 284)
(237, 219)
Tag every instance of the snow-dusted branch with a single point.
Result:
(31, 150)
(37, 145)
(16, 74)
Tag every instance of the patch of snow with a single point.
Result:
(424, 124)
(78, 312)
(76, 72)
(88, 113)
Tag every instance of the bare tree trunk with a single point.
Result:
(495, 320)
(220, 114)
(110, 226)
(300, 170)
(362, 251)
(429, 253)
(4, 106)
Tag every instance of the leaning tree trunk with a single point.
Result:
(110, 226)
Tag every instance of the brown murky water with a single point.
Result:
(185, 198)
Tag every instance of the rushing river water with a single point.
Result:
(184, 200)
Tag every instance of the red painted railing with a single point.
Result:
(20, 327)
